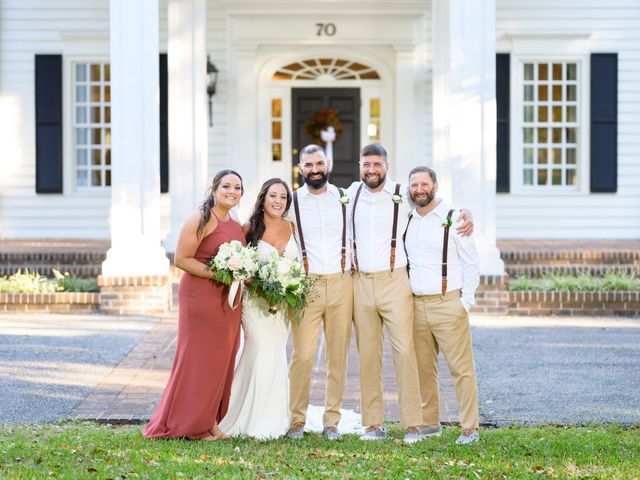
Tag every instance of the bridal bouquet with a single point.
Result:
(283, 283)
(232, 265)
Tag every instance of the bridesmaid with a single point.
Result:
(197, 393)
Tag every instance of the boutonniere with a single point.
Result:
(397, 198)
(344, 200)
(447, 223)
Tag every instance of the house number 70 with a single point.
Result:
(326, 29)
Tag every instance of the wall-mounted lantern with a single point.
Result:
(212, 81)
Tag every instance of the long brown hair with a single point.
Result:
(256, 221)
(210, 198)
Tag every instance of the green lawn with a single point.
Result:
(84, 450)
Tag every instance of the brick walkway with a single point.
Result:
(129, 394)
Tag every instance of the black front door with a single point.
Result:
(346, 101)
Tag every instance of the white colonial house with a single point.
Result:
(528, 110)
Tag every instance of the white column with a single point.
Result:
(243, 136)
(188, 122)
(464, 123)
(403, 156)
(135, 171)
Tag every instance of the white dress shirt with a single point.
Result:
(424, 247)
(321, 218)
(374, 226)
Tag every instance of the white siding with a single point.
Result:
(28, 28)
(614, 26)
(75, 29)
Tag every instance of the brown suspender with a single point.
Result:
(396, 207)
(404, 244)
(343, 253)
(305, 260)
(445, 248)
(353, 225)
(296, 209)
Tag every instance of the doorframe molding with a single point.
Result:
(271, 60)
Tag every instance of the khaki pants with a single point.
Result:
(443, 324)
(332, 302)
(385, 299)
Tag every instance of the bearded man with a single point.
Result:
(444, 274)
(321, 214)
(382, 293)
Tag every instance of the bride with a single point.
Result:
(259, 403)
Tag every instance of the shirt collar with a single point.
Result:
(389, 187)
(303, 191)
(441, 210)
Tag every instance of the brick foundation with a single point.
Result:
(492, 297)
(62, 302)
(574, 303)
(138, 295)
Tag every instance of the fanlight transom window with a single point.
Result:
(326, 68)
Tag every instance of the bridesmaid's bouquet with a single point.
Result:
(233, 264)
(283, 283)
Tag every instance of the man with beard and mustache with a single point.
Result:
(382, 293)
(321, 215)
(444, 275)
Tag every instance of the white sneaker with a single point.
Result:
(434, 431)
(471, 437)
(374, 433)
(413, 435)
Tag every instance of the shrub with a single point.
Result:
(27, 282)
(523, 282)
(568, 283)
(621, 281)
(585, 282)
(68, 283)
(33, 282)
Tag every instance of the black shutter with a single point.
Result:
(604, 122)
(502, 106)
(48, 82)
(164, 125)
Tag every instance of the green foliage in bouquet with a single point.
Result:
(283, 284)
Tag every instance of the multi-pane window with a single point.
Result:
(550, 124)
(373, 128)
(92, 124)
(276, 129)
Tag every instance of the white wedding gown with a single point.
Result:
(259, 403)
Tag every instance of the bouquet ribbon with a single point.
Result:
(235, 286)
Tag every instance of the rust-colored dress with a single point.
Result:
(197, 393)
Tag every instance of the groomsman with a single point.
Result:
(382, 293)
(321, 214)
(444, 274)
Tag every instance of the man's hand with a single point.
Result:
(466, 229)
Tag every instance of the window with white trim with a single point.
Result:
(92, 125)
(550, 124)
